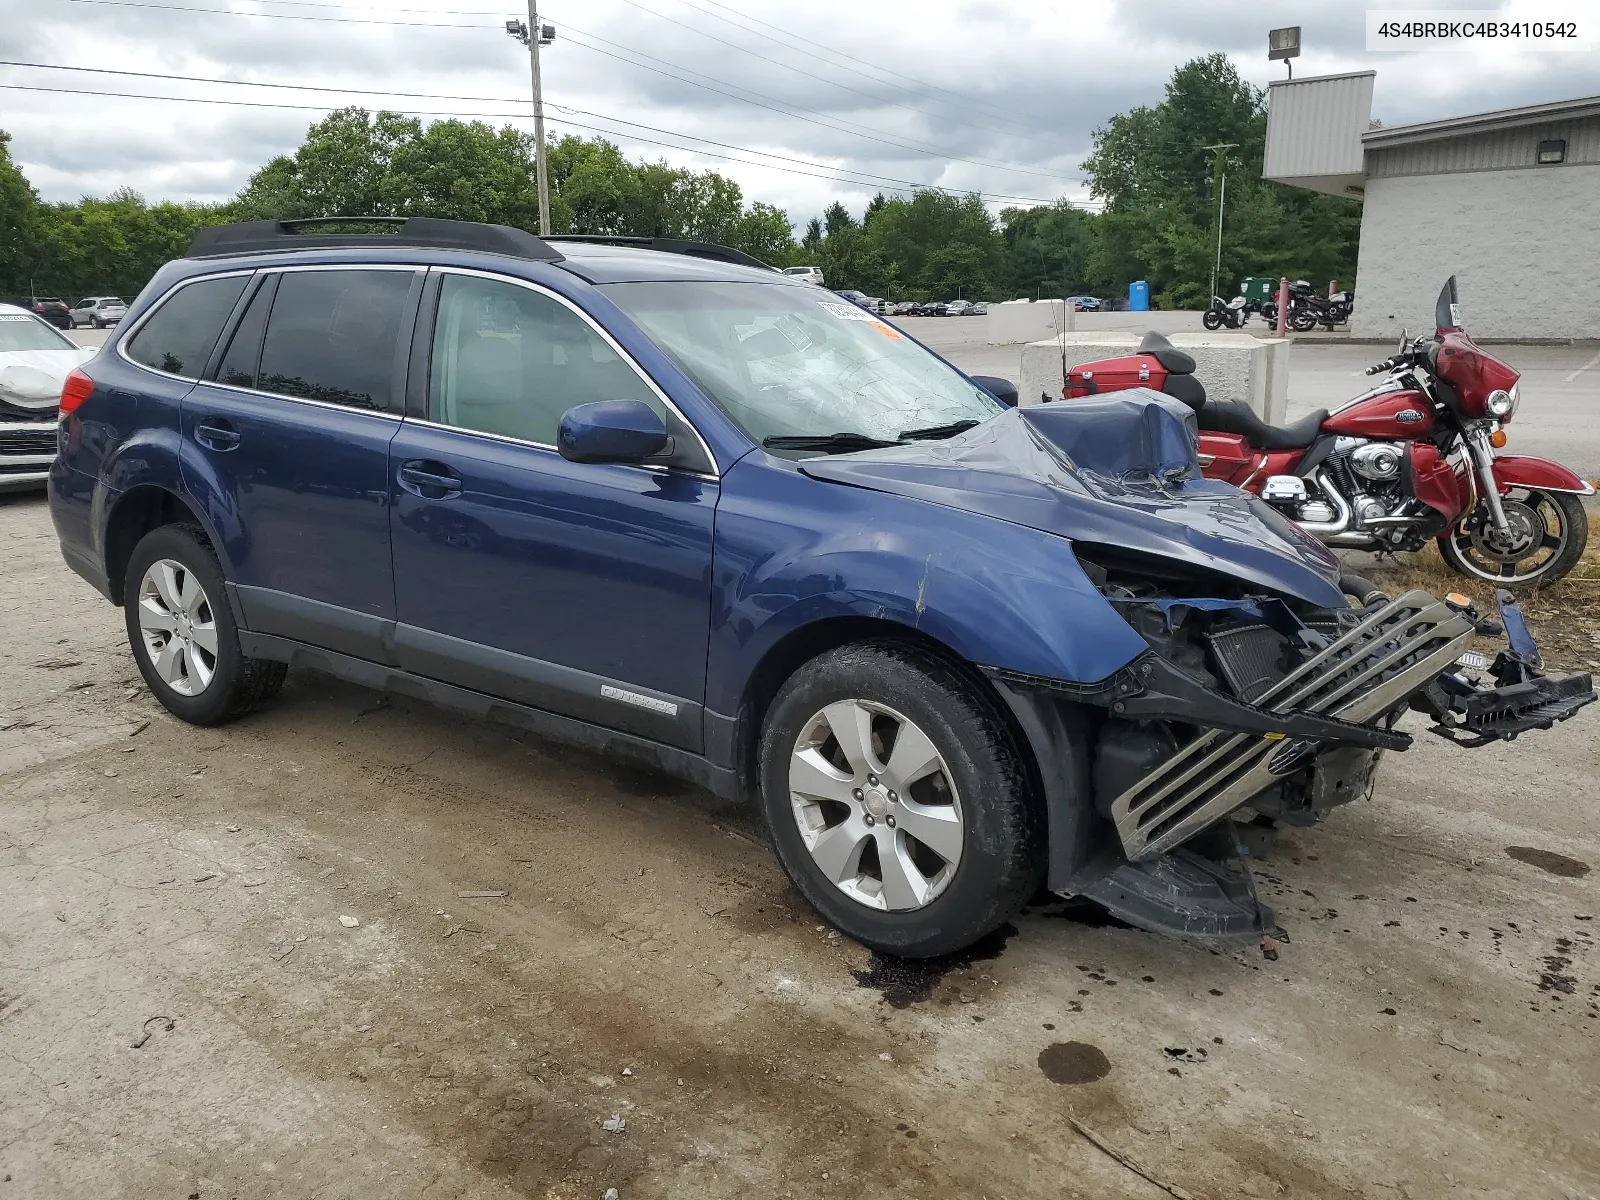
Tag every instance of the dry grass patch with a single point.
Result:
(1565, 617)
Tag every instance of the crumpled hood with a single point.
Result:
(32, 379)
(1116, 470)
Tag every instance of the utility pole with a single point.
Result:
(533, 35)
(1219, 168)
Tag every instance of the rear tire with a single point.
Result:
(183, 634)
(831, 806)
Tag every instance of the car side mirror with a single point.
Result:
(612, 431)
(1002, 390)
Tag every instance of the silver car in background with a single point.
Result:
(97, 311)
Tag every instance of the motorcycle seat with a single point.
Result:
(1235, 416)
(1175, 361)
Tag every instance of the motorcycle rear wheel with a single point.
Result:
(1549, 533)
(1302, 321)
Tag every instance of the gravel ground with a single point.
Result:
(278, 905)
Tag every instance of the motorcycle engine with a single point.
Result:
(1367, 476)
(1378, 461)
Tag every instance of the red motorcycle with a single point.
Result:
(1412, 459)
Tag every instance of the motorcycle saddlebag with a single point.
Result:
(1115, 375)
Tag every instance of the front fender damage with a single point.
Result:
(1211, 722)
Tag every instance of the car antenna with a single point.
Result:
(1061, 332)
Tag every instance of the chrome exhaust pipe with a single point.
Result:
(1341, 523)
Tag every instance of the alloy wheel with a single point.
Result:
(876, 805)
(1536, 534)
(178, 627)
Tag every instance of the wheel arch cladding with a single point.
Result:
(137, 512)
(809, 642)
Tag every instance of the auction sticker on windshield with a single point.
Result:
(848, 312)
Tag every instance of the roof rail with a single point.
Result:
(709, 250)
(257, 237)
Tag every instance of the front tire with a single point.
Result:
(898, 800)
(1549, 531)
(1212, 320)
(183, 634)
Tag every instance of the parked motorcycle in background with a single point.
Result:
(1410, 460)
(1230, 314)
(1307, 310)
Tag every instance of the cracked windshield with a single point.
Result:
(786, 363)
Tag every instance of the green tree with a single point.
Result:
(465, 171)
(1151, 167)
(1048, 250)
(344, 168)
(19, 222)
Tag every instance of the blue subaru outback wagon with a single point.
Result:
(658, 499)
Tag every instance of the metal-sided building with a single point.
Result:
(1507, 201)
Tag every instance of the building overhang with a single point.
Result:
(1314, 132)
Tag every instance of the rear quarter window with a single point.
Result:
(178, 336)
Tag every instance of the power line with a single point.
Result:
(228, 12)
(808, 74)
(18, 87)
(863, 177)
(815, 118)
(999, 108)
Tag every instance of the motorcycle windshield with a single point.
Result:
(1447, 309)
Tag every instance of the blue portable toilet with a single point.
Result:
(1138, 296)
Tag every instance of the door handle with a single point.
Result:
(217, 435)
(417, 475)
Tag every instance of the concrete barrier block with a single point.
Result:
(1016, 322)
(1230, 366)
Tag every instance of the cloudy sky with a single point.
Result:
(831, 99)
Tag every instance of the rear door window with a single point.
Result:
(333, 335)
(179, 335)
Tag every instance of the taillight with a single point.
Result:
(78, 388)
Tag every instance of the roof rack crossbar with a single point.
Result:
(260, 237)
(709, 250)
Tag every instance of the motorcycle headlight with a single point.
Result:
(1500, 404)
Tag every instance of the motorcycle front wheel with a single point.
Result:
(1212, 320)
(1547, 533)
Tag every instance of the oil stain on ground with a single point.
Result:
(906, 981)
(1548, 860)
(1073, 1062)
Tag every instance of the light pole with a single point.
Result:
(1220, 165)
(545, 35)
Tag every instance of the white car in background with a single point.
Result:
(809, 274)
(97, 311)
(35, 360)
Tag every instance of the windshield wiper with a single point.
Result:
(939, 431)
(830, 443)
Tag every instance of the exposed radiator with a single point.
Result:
(1368, 671)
